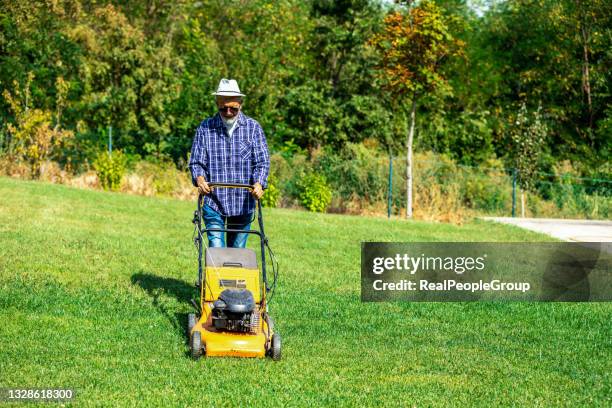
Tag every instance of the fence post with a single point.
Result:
(110, 140)
(390, 193)
(514, 192)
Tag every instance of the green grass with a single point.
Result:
(94, 291)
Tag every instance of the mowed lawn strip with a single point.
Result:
(94, 291)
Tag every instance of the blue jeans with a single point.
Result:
(212, 219)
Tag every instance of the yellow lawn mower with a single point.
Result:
(232, 316)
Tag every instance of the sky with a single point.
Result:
(479, 6)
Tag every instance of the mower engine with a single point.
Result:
(235, 311)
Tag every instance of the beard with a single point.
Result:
(229, 121)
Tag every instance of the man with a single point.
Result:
(230, 147)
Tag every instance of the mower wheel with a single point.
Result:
(276, 347)
(196, 345)
(191, 321)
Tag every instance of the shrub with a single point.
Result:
(32, 138)
(436, 189)
(280, 167)
(315, 193)
(166, 180)
(158, 178)
(110, 169)
(489, 191)
(355, 173)
(272, 194)
(482, 194)
(290, 173)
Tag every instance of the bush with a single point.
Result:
(158, 179)
(33, 138)
(486, 192)
(272, 194)
(289, 173)
(569, 193)
(488, 189)
(436, 188)
(110, 169)
(356, 173)
(315, 193)
(166, 180)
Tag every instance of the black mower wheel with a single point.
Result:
(191, 321)
(275, 351)
(196, 345)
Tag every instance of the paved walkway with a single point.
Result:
(567, 230)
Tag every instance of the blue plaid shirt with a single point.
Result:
(242, 158)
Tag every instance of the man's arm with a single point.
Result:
(261, 163)
(198, 162)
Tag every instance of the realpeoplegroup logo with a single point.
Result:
(485, 271)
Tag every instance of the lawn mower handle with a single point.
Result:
(262, 236)
(232, 185)
(236, 185)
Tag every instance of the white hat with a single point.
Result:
(228, 87)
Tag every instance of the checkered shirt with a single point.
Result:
(242, 158)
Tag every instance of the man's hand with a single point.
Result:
(257, 191)
(203, 186)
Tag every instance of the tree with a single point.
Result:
(126, 81)
(32, 138)
(412, 46)
(528, 133)
(556, 52)
(330, 100)
(32, 41)
(260, 43)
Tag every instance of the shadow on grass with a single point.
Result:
(158, 287)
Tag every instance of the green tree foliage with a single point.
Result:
(412, 46)
(32, 41)
(147, 68)
(126, 82)
(557, 53)
(527, 133)
(33, 138)
(457, 123)
(334, 99)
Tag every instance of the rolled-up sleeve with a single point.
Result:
(198, 161)
(261, 164)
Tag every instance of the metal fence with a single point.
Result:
(497, 190)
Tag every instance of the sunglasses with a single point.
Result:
(231, 108)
